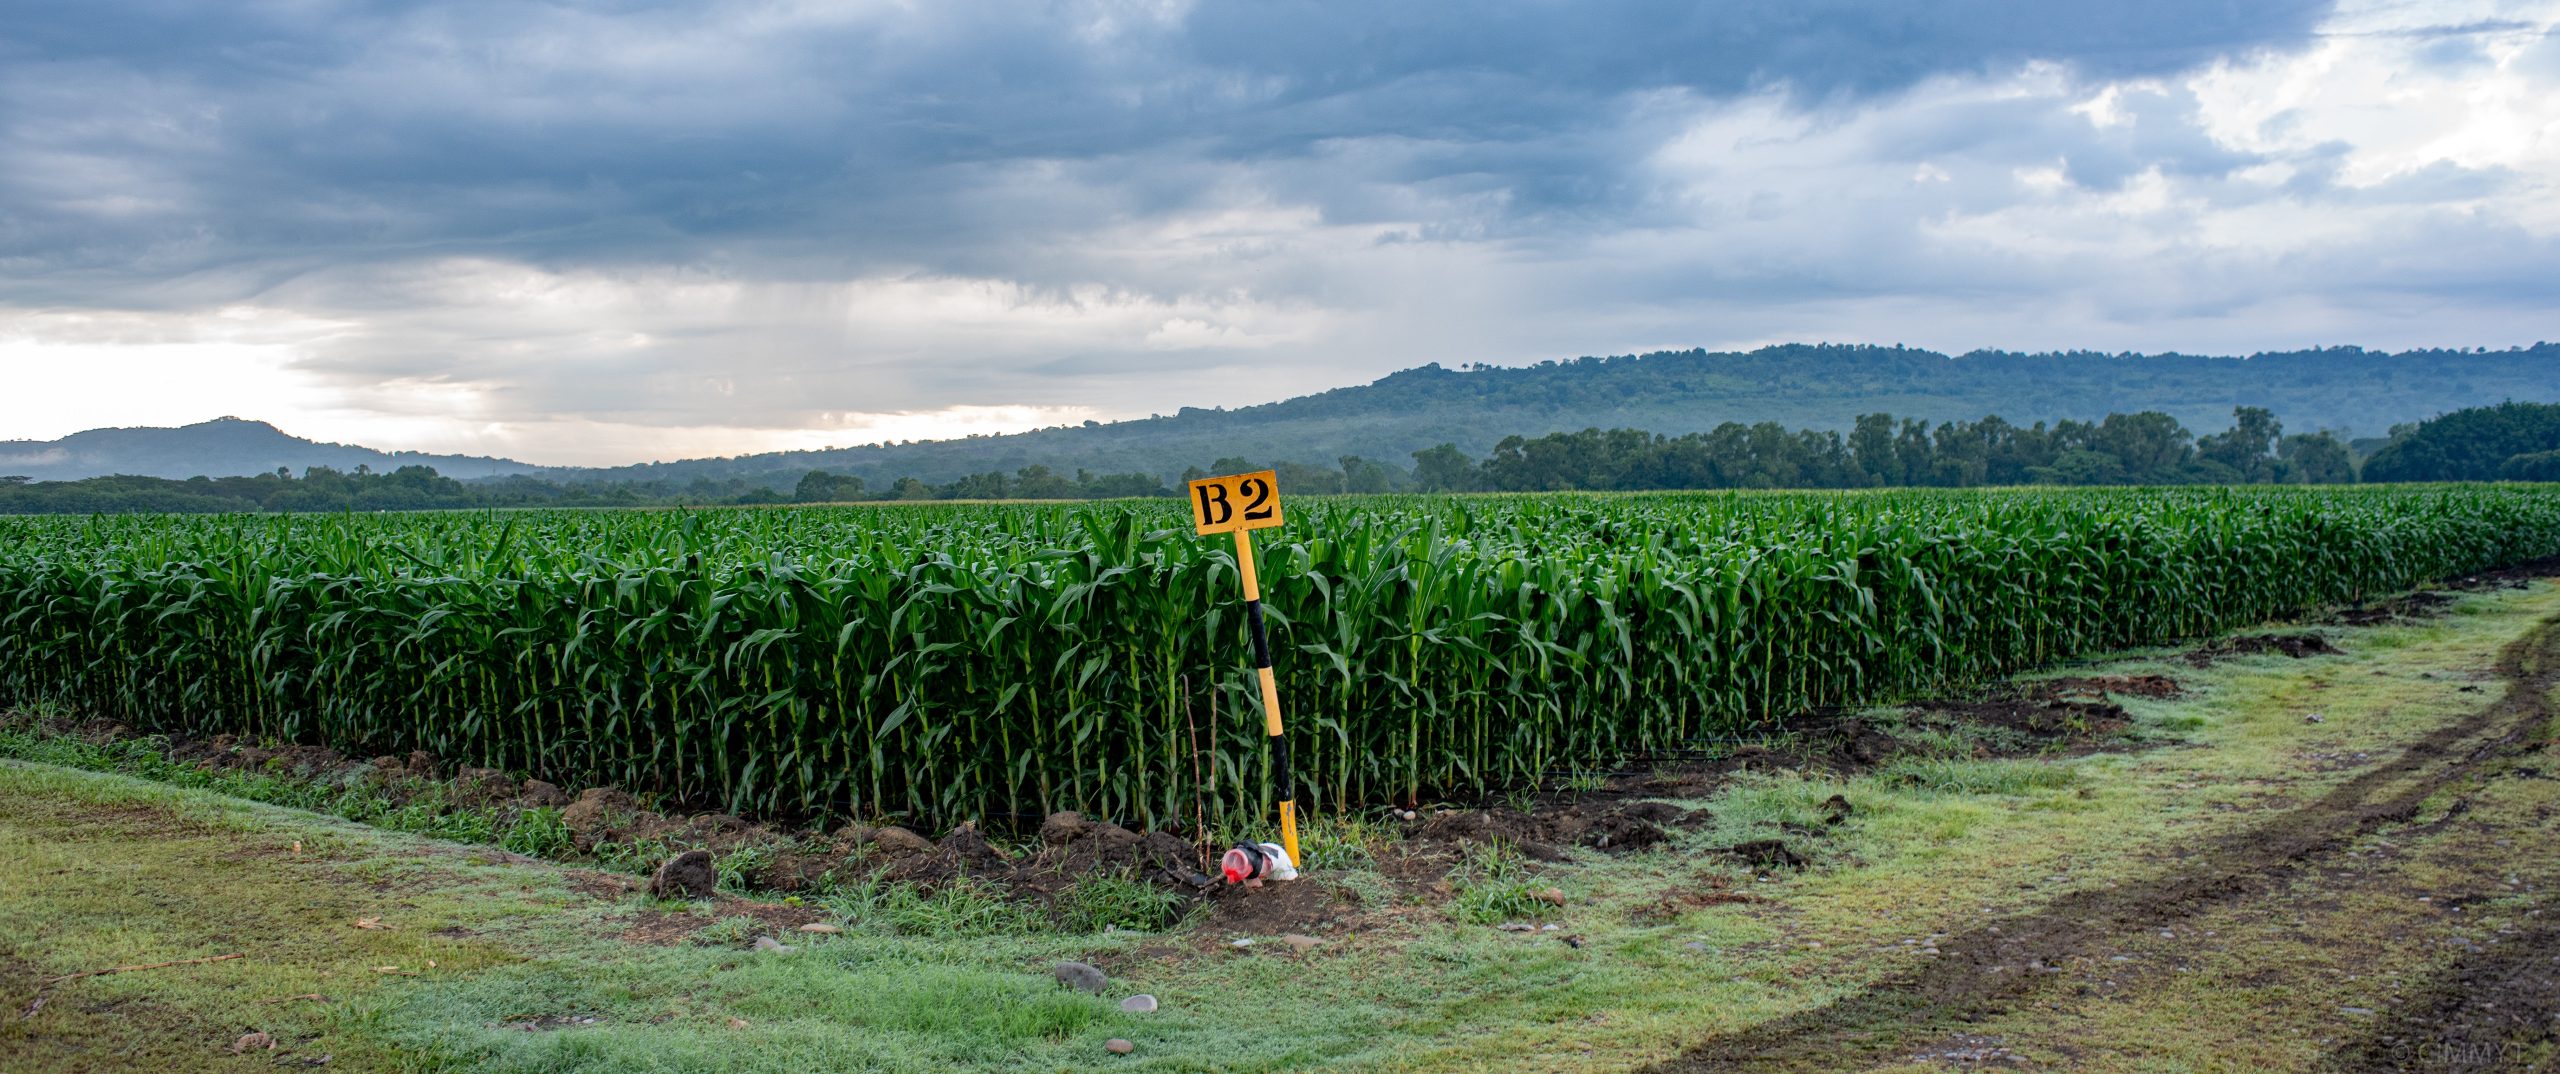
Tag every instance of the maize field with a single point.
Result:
(945, 662)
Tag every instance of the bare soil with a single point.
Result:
(2297, 646)
(2482, 1015)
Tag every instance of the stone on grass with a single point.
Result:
(1119, 1046)
(686, 876)
(1139, 1004)
(1080, 976)
(1300, 943)
(822, 928)
(768, 943)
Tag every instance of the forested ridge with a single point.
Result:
(2357, 393)
(1879, 450)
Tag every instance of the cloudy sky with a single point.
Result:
(611, 230)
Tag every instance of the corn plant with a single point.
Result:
(944, 662)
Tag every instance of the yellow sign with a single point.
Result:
(1236, 502)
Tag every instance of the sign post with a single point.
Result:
(1241, 504)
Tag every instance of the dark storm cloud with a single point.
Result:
(179, 152)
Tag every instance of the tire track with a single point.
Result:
(1983, 973)
(2498, 1011)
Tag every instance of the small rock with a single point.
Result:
(1139, 1004)
(1517, 926)
(1062, 827)
(822, 928)
(768, 943)
(1080, 976)
(1246, 942)
(686, 876)
(1551, 896)
(1550, 927)
(2314, 718)
(1694, 946)
(1299, 943)
(253, 1042)
(1574, 942)
(1118, 1046)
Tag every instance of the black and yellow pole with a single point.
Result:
(1241, 504)
(1270, 698)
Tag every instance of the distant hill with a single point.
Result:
(223, 447)
(2357, 393)
(2348, 390)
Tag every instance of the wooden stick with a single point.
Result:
(147, 966)
(42, 990)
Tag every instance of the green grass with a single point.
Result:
(419, 808)
(108, 871)
(963, 908)
(1104, 901)
(1494, 885)
(2012, 777)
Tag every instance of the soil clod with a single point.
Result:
(1062, 828)
(1836, 810)
(1766, 854)
(897, 842)
(2297, 646)
(689, 875)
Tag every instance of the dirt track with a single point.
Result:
(2469, 1020)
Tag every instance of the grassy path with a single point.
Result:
(2471, 773)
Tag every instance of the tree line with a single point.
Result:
(2507, 442)
(2515, 441)
(2148, 448)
